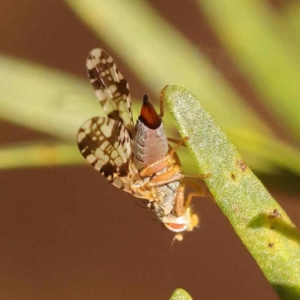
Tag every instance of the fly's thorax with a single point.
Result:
(165, 196)
(150, 145)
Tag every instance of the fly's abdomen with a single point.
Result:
(150, 141)
(150, 145)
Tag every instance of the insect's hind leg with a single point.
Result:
(198, 191)
(181, 204)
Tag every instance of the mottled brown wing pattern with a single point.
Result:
(140, 162)
(111, 89)
(106, 145)
(106, 142)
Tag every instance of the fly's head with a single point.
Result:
(186, 222)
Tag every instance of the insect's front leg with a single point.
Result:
(174, 174)
(166, 162)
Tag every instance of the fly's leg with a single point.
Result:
(173, 172)
(172, 153)
(161, 105)
(198, 192)
(168, 162)
(182, 207)
(179, 207)
(167, 177)
(152, 169)
(175, 141)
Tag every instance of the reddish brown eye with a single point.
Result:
(176, 227)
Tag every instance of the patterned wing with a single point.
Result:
(107, 146)
(110, 87)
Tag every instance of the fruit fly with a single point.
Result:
(137, 159)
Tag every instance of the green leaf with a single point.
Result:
(291, 12)
(180, 294)
(40, 154)
(56, 103)
(159, 54)
(266, 52)
(186, 66)
(45, 100)
(259, 221)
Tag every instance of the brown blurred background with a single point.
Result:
(65, 233)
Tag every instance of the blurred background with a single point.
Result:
(65, 231)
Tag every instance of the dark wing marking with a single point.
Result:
(107, 146)
(110, 87)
